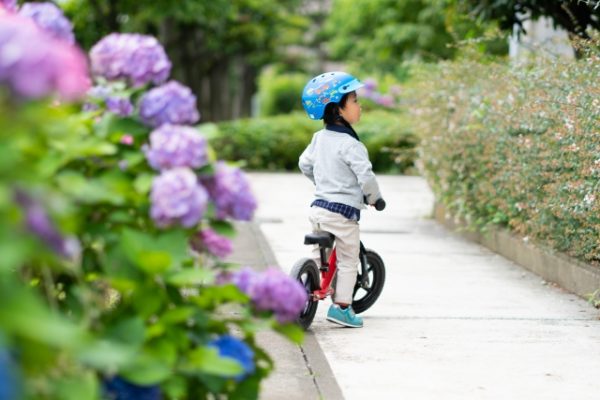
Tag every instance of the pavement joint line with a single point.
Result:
(310, 370)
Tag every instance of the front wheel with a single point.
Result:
(365, 297)
(306, 272)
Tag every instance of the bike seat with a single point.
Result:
(324, 239)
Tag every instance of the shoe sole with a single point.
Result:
(337, 321)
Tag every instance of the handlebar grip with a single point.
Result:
(380, 204)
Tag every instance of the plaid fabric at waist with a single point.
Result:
(347, 211)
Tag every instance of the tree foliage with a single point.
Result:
(217, 46)
(572, 15)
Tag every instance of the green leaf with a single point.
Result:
(143, 183)
(82, 387)
(89, 191)
(291, 331)
(106, 355)
(155, 254)
(190, 277)
(208, 360)
(223, 228)
(176, 315)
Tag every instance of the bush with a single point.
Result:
(275, 143)
(517, 146)
(280, 94)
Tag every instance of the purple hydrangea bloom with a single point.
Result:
(116, 104)
(120, 389)
(50, 18)
(232, 347)
(8, 5)
(209, 240)
(119, 105)
(272, 290)
(177, 197)
(385, 100)
(171, 103)
(174, 146)
(231, 193)
(140, 59)
(35, 65)
(38, 222)
(370, 84)
(277, 292)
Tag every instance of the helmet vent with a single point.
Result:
(345, 87)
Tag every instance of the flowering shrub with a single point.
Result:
(104, 284)
(518, 146)
(43, 65)
(171, 103)
(271, 290)
(50, 18)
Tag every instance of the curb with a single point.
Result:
(315, 359)
(573, 275)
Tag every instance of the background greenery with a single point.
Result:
(275, 143)
(524, 154)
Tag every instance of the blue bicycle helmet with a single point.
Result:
(327, 88)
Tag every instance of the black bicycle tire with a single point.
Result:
(376, 264)
(308, 266)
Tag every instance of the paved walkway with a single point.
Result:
(455, 321)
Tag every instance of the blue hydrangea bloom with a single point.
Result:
(171, 103)
(9, 381)
(176, 146)
(117, 388)
(50, 18)
(232, 347)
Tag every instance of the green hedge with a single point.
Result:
(517, 146)
(275, 143)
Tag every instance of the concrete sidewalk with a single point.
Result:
(455, 321)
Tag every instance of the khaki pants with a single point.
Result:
(347, 242)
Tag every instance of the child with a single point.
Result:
(338, 164)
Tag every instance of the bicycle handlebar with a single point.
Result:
(379, 204)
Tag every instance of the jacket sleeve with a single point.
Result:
(357, 157)
(307, 160)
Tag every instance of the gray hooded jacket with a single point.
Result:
(339, 167)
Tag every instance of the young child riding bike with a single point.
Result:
(338, 164)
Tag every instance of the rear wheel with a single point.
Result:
(307, 273)
(365, 296)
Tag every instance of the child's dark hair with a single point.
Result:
(332, 116)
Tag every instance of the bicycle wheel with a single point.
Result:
(307, 273)
(365, 297)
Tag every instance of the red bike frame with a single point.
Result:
(327, 275)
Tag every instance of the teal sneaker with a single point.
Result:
(345, 317)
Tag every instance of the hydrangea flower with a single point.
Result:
(232, 347)
(35, 65)
(139, 59)
(171, 103)
(118, 388)
(10, 387)
(176, 146)
(38, 222)
(116, 104)
(50, 18)
(231, 193)
(8, 5)
(177, 197)
(272, 290)
(119, 105)
(209, 240)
